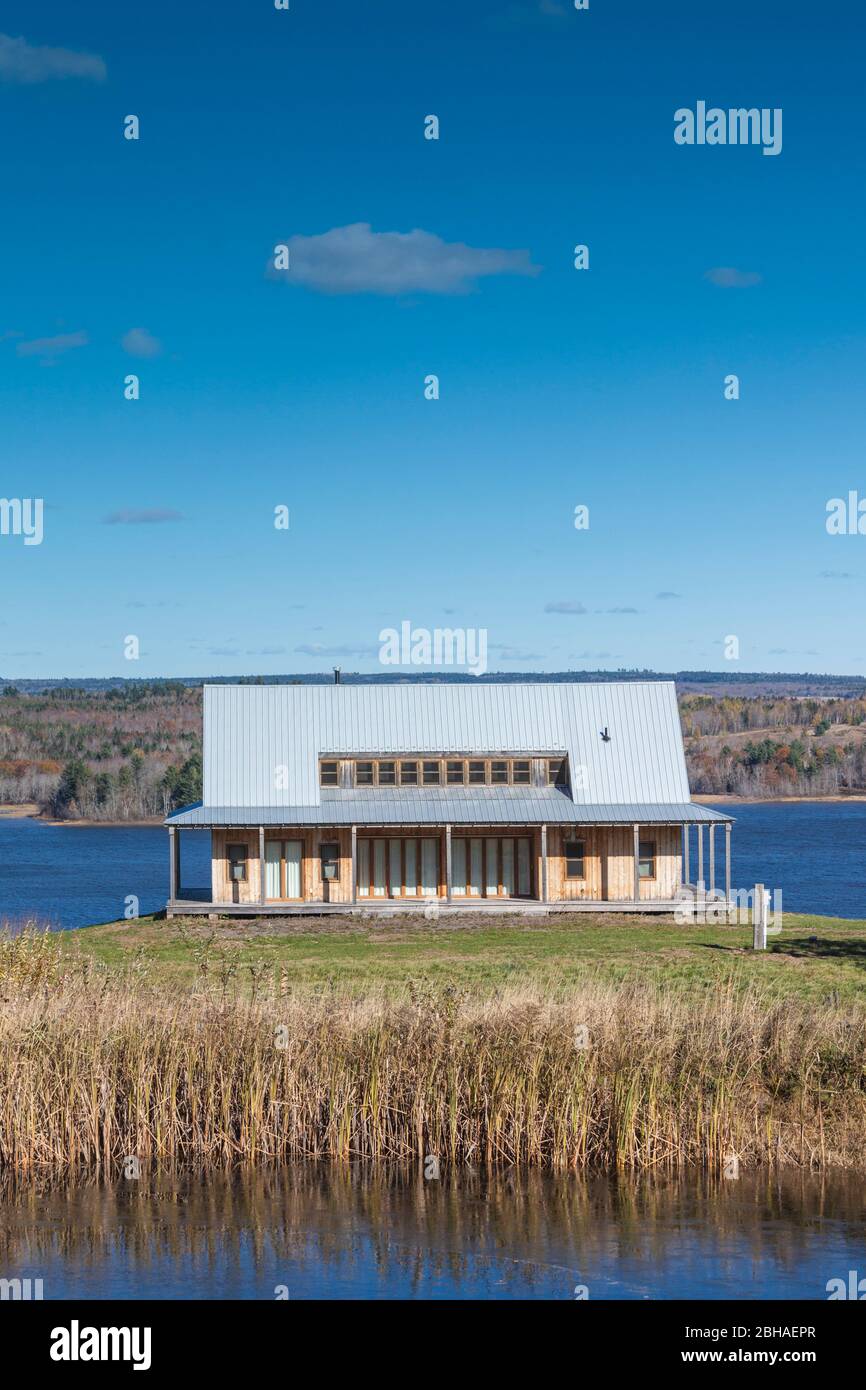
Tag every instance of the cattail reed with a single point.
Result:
(98, 1069)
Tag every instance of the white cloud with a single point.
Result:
(143, 516)
(318, 649)
(28, 63)
(49, 349)
(139, 343)
(357, 260)
(565, 606)
(726, 277)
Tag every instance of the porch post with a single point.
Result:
(262, 865)
(448, 863)
(544, 863)
(354, 876)
(686, 867)
(637, 863)
(172, 863)
(728, 861)
(712, 856)
(700, 854)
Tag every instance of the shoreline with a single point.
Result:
(708, 798)
(30, 810)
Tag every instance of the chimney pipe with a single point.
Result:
(336, 675)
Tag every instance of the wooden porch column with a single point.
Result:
(728, 861)
(262, 865)
(700, 854)
(354, 873)
(712, 856)
(686, 866)
(637, 863)
(544, 863)
(172, 863)
(448, 863)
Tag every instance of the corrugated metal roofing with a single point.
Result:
(451, 805)
(262, 743)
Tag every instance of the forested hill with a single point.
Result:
(133, 752)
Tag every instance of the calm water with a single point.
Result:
(338, 1233)
(73, 876)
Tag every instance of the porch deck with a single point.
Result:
(521, 907)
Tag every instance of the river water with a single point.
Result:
(309, 1232)
(73, 876)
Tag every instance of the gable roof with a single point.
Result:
(262, 743)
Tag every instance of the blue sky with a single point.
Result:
(557, 387)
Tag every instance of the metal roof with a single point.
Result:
(262, 743)
(448, 805)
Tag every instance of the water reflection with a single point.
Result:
(338, 1232)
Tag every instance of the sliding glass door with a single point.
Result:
(283, 869)
(495, 866)
(399, 867)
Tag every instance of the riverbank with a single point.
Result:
(624, 1077)
(724, 798)
(580, 1045)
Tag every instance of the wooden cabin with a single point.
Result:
(347, 798)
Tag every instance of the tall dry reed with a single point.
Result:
(94, 1070)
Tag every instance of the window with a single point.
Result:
(237, 858)
(520, 772)
(329, 774)
(575, 861)
(408, 774)
(456, 772)
(555, 771)
(646, 863)
(330, 856)
(387, 774)
(477, 771)
(432, 773)
(363, 774)
(498, 771)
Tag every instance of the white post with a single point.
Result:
(686, 867)
(728, 861)
(448, 863)
(712, 856)
(700, 856)
(759, 918)
(637, 863)
(172, 863)
(262, 864)
(354, 884)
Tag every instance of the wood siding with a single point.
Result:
(608, 864)
(311, 864)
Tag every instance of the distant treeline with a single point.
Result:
(777, 747)
(125, 754)
(134, 752)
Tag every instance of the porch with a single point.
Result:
(449, 870)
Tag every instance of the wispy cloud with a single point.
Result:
(347, 649)
(27, 63)
(357, 260)
(617, 610)
(835, 574)
(141, 516)
(139, 343)
(49, 349)
(727, 277)
(565, 606)
(668, 593)
(506, 653)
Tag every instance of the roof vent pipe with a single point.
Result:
(337, 675)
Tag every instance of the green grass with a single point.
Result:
(555, 954)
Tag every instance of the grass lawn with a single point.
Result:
(816, 958)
